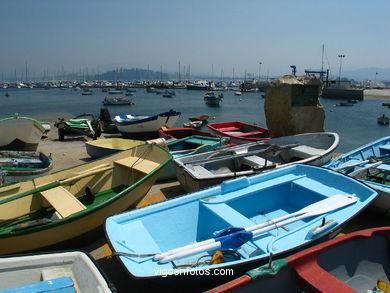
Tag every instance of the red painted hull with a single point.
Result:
(239, 132)
(349, 263)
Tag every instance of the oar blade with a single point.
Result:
(333, 203)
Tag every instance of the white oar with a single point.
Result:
(314, 206)
(358, 171)
(329, 204)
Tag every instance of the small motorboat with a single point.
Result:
(108, 101)
(199, 171)
(140, 126)
(236, 225)
(383, 120)
(213, 100)
(72, 271)
(239, 132)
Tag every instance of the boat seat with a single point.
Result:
(385, 147)
(202, 171)
(143, 165)
(254, 161)
(305, 151)
(63, 201)
(251, 133)
(229, 215)
(227, 129)
(62, 284)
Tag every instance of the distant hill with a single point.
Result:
(133, 74)
(368, 73)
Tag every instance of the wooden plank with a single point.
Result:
(54, 285)
(63, 201)
(41, 181)
(136, 163)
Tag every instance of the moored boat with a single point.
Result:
(199, 171)
(23, 165)
(71, 271)
(213, 100)
(202, 118)
(68, 207)
(239, 132)
(193, 124)
(20, 133)
(371, 164)
(383, 120)
(308, 204)
(145, 126)
(104, 147)
(116, 101)
(181, 132)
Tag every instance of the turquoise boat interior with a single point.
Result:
(242, 202)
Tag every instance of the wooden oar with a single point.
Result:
(270, 149)
(371, 159)
(329, 204)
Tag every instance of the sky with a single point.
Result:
(211, 36)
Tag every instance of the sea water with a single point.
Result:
(356, 125)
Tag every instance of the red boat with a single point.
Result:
(200, 118)
(356, 262)
(239, 132)
(181, 132)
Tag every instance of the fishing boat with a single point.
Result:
(239, 132)
(187, 146)
(23, 165)
(84, 124)
(67, 208)
(116, 101)
(71, 271)
(199, 171)
(145, 126)
(108, 146)
(356, 262)
(181, 132)
(211, 99)
(20, 133)
(371, 164)
(238, 218)
(383, 120)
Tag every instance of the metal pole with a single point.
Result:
(340, 56)
(260, 68)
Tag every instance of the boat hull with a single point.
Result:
(20, 133)
(106, 175)
(312, 148)
(242, 202)
(378, 148)
(105, 147)
(77, 265)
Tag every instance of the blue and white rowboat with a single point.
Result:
(248, 219)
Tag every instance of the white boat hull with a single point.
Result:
(20, 134)
(148, 126)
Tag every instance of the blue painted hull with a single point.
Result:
(380, 149)
(241, 202)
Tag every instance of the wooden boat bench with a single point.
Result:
(229, 129)
(62, 284)
(305, 151)
(202, 171)
(64, 202)
(254, 161)
(385, 148)
(143, 165)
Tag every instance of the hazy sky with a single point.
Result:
(206, 34)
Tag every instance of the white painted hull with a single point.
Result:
(149, 126)
(26, 131)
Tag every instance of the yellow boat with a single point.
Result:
(71, 205)
(104, 147)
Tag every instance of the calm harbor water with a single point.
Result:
(356, 125)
